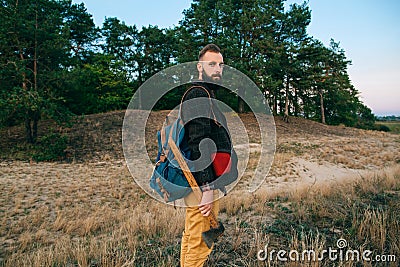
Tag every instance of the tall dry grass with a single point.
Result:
(83, 215)
(363, 211)
(94, 215)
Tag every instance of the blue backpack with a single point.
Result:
(168, 179)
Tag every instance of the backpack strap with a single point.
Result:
(164, 139)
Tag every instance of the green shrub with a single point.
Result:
(50, 147)
(384, 128)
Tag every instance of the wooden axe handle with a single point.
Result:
(190, 178)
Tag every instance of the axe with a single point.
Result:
(217, 228)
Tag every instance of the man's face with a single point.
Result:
(210, 67)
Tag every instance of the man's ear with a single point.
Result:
(200, 70)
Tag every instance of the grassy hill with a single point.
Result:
(93, 137)
(326, 184)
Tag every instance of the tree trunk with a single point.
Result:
(321, 99)
(281, 105)
(241, 107)
(35, 54)
(28, 128)
(286, 113)
(31, 126)
(305, 107)
(36, 117)
(140, 83)
(28, 131)
(296, 103)
(275, 105)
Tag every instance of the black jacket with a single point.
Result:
(203, 119)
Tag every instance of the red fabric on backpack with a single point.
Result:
(221, 163)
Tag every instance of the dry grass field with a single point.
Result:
(326, 183)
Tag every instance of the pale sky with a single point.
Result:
(368, 30)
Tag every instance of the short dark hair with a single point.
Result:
(209, 48)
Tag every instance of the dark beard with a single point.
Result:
(212, 85)
(210, 79)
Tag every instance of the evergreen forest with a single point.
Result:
(57, 64)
